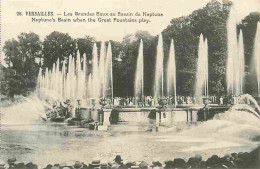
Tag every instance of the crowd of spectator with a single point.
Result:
(242, 160)
(171, 101)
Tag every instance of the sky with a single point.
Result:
(13, 25)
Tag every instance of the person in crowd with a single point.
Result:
(143, 165)
(156, 163)
(117, 162)
(249, 160)
(131, 102)
(194, 101)
(11, 162)
(114, 116)
(64, 108)
(140, 102)
(152, 120)
(225, 100)
(94, 164)
(180, 102)
(221, 100)
(77, 165)
(2, 165)
(70, 108)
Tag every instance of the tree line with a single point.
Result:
(26, 54)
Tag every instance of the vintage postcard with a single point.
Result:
(123, 84)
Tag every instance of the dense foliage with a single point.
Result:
(22, 57)
(25, 55)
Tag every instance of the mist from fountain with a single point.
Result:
(201, 88)
(29, 110)
(171, 73)
(235, 60)
(139, 73)
(257, 57)
(244, 103)
(158, 83)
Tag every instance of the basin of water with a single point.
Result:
(31, 139)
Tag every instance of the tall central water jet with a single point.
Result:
(235, 59)
(63, 81)
(79, 77)
(202, 69)
(171, 73)
(95, 73)
(158, 83)
(39, 82)
(73, 80)
(102, 69)
(109, 73)
(84, 76)
(70, 77)
(240, 66)
(257, 57)
(232, 43)
(139, 74)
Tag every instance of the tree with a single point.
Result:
(12, 53)
(248, 26)
(126, 66)
(57, 45)
(119, 81)
(85, 46)
(211, 22)
(19, 53)
(186, 48)
(21, 58)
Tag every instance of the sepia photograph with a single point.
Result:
(130, 84)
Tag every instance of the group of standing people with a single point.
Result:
(171, 100)
(65, 109)
(153, 101)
